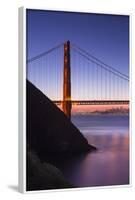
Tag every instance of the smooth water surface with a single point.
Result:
(109, 165)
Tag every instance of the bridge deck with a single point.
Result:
(95, 102)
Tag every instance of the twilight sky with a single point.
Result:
(104, 36)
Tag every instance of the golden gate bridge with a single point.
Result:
(69, 75)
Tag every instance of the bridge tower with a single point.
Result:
(66, 106)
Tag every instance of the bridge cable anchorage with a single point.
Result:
(109, 70)
(44, 53)
(101, 62)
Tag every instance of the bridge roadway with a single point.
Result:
(95, 102)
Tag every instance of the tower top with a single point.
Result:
(67, 42)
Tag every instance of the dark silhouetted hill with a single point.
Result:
(51, 137)
(49, 131)
(42, 176)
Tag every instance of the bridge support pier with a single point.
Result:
(66, 105)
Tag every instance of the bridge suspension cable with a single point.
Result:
(45, 71)
(99, 61)
(91, 79)
(103, 83)
(100, 65)
(44, 53)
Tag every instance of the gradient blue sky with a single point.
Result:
(104, 36)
